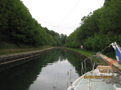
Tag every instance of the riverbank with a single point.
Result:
(10, 58)
(86, 54)
(7, 51)
(83, 52)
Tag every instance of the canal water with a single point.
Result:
(56, 68)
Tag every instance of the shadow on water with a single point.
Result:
(22, 76)
(76, 61)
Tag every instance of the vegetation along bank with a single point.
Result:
(18, 28)
(99, 29)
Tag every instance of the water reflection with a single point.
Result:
(77, 63)
(42, 73)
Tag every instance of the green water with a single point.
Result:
(42, 73)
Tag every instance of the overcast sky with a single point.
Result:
(62, 16)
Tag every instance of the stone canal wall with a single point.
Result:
(6, 59)
(82, 57)
(77, 53)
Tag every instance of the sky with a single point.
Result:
(61, 16)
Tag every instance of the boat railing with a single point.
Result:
(83, 66)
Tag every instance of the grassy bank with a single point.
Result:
(86, 53)
(83, 51)
(10, 48)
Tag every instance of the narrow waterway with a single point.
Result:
(42, 73)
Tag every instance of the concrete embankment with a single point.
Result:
(78, 54)
(83, 57)
(6, 59)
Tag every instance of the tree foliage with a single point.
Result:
(18, 26)
(98, 29)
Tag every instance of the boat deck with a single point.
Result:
(94, 85)
(102, 83)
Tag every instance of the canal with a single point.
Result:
(44, 72)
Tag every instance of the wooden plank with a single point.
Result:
(104, 67)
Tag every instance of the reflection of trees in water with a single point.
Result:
(76, 62)
(62, 55)
(22, 76)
